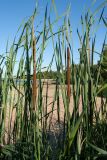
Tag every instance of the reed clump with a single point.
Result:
(40, 120)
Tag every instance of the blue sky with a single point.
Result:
(12, 12)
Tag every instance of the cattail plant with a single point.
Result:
(63, 120)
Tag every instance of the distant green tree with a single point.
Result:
(104, 64)
(48, 74)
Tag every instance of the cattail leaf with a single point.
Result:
(101, 151)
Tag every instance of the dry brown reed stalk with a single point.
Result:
(68, 74)
(34, 89)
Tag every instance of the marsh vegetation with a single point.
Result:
(65, 121)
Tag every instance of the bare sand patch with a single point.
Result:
(52, 108)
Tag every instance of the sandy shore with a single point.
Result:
(51, 104)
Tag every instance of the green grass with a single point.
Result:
(83, 136)
(103, 92)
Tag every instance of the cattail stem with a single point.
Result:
(68, 74)
(34, 89)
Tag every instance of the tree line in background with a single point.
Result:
(55, 74)
(94, 70)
